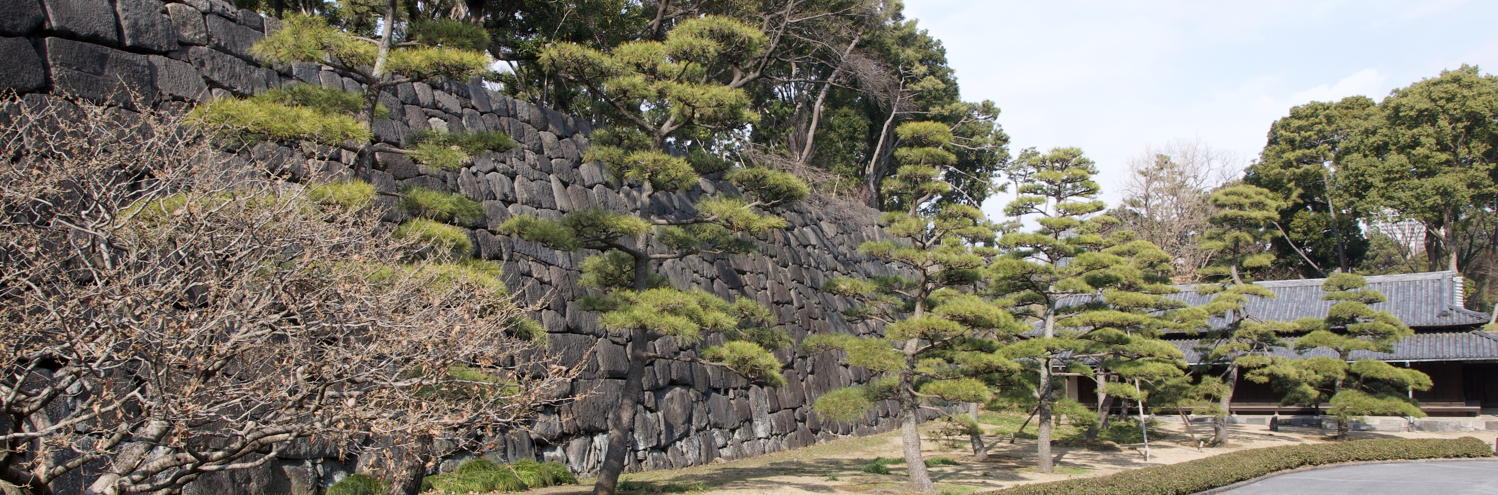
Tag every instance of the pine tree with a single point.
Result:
(423, 54)
(1351, 388)
(663, 112)
(427, 50)
(1239, 235)
(1120, 328)
(1040, 275)
(938, 337)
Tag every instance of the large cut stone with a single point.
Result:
(189, 24)
(144, 25)
(100, 74)
(23, 67)
(178, 78)
(91, 19)
(228, 71)
(231, 36)
(613, 361)
(20, 16)
(676, 413)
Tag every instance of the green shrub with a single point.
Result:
(440, 156)
(256, 120)
(879, 465)
(357, 484)
(440, 237)
(352, 194)
(940, 461)
(330, 101)
(441, 206)
(452, 150)
(1226, 469)
(482, 475)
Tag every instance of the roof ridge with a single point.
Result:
(1300, 282)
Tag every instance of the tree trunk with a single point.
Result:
(1043, 419)
(1105, 414)
(1043, 399)
(409, 468)
(816, 108)
(1448, 233)
(1220, 422)
(622, 421)
(129, 457)
(871, 172)
(1103, 404)
(382, 56)
(910, 436)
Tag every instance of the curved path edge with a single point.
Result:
(1240, 484)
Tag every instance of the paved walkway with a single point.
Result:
(1457, 477)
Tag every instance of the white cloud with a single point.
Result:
(1366, 82)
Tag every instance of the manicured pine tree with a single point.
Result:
(937, 337)
(1039, 276)
(428, 50)
(1351, 388)
(1120, 328)
(665, 99)
(1239, 235)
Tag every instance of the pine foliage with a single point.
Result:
(940, 341)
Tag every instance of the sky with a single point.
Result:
(1117, 78)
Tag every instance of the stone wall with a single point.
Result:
(172, 55)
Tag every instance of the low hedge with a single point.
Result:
(1226, 469)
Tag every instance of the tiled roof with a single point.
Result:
(1443, 346)
(1431, 299)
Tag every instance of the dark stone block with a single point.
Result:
(144, 25)
(231, 36)
(100, 74)
(178, 78)
(613, 361)
(229, 72)
(90, 19)
(252, 20)
(447, 102)
(21, 16)
(24, 71)
(189, 24)
(389, 131)
(599, 399)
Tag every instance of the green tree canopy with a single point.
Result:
(1351, 388)
(1303, 162)
(939, 339)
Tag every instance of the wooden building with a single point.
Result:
(1449, 343)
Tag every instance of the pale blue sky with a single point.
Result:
(1114, 77)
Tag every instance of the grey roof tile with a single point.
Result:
(1442, 346)
(1430, 299)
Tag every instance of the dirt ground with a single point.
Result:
(834, 467)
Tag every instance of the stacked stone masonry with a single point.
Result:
(173, 55)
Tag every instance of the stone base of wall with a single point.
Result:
(1369, 423)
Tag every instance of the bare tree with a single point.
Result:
(165, 314)
(1165, 200)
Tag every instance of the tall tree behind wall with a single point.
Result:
(1431, 155)
(1318, 226)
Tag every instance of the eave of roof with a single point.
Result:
(1474, 345)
